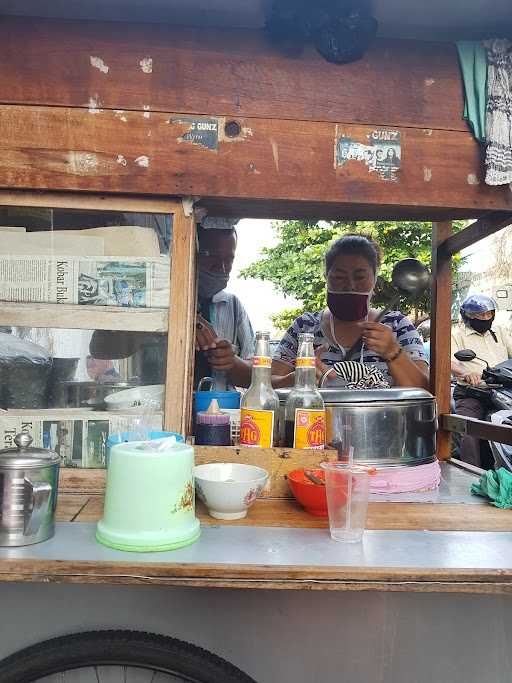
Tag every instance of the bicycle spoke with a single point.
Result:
(86, 675)
(134, 675)
(117, 657)
(112, 674)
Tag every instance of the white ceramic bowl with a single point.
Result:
(229, 489)
(138, 398)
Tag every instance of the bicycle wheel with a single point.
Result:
(117, 657)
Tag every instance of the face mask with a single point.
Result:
(210, 284)
(481, 326)
(349, 306)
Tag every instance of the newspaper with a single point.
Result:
(79, 437)
(129, 282)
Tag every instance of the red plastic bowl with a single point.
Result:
(311, 496)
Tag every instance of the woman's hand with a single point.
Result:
(321, 368)
(380, 339)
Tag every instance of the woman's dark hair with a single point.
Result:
(354, 244)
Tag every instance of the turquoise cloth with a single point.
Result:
(473, 64)
(497, 486)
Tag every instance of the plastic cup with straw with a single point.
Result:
(347, 489)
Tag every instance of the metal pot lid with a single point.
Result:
(339, 395)
(25, 457)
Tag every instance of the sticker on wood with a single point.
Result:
(203, 132)
(381, 154)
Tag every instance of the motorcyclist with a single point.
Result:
(492, 343)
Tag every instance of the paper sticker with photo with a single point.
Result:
(382, 153)
(388, 152)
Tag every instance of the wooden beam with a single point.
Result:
(182, 318)
(274, 160)
(173, 68)
(481, 228)
(88, 201)
(74, 317)
(440, 333)
(470, 426)
(275, 209)
(277, 461)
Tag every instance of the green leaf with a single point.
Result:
(295, 265)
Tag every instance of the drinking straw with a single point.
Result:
(349, 492)
(146, 418)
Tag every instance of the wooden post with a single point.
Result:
(440, 336)
(182, 316)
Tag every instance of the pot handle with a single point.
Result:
(206, 380)
(39, 494)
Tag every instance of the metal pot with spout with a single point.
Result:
(29, 480)
(388, 427)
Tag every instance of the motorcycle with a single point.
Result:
(496, 392)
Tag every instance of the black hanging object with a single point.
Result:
(340, 29)
(346, 40)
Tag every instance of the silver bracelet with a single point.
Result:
(324, 377)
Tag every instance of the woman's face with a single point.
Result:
(350, 273)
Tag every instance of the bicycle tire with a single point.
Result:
(118, 648)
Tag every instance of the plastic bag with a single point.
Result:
(16, 350)
(24, 372)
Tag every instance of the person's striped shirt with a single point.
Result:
(314, 323)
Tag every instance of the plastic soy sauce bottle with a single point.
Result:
(304, 411)
(260, 403)
(213, 427)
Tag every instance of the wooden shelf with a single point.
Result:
(77, 317)
(287, 513)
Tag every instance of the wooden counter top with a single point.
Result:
(457, 544)
(286, 513)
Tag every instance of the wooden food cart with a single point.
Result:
(97, 116)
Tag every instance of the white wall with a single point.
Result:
(287, 636)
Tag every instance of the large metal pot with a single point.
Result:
(28, 493)
(87, 394)
(387, 427)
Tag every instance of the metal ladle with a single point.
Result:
(410, 278)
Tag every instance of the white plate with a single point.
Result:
(150, 396)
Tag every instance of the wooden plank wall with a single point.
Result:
(96, 106)
(227, 72)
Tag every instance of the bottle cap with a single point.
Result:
(213, 416)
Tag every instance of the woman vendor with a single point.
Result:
(391, 349)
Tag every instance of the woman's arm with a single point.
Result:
(405, 371)
(282, 375)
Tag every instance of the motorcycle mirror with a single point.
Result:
(465, 355)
